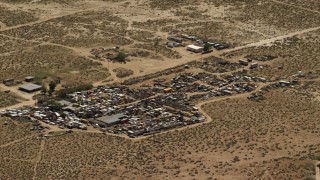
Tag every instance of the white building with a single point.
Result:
(194, 48)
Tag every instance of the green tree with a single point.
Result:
(54, 106)
(64, 92)
(44, 89)
(206, 47)
(121, 56)
(52, 87)
(50, 92)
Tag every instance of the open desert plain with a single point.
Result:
(159, 89)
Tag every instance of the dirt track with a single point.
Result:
(273, 39)
(296, 6)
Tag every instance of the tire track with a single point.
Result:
(42, 146)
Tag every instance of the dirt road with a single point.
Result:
(54, 12)
(16, 141)
(273, 39)
(296, 6)
(42, 146)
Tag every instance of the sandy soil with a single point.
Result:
(242, 139)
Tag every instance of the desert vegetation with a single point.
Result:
(81, 29)
(154, 24)
(272, 137)
(123, 72)
(312, 4)
(50, 61)
(7, 99)
(8, 126)
(161, 49)
(291, 56)
(272, 14)
(15, 17)
(9, 45)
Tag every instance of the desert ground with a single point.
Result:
(273, 136)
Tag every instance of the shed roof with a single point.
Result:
(65, 103)
(194, 47)
(111, 119)
(30, 87)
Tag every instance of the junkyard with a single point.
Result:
(149, 104)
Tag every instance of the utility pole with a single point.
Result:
(36, 99)
(202, 59)
(108, 65)
(318, 171)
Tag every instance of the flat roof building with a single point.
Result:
(194, 48)
(111, 120)
(28, 78)
(30, 88)
(11, 80)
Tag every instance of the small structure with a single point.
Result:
(30, 88)
(8, 82)
(111, 120)
(244, 62)
(194, 48)
(28, 78)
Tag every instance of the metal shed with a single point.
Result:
(30, 88)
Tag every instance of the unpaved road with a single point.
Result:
(296, 6)
(16, 141)
(42, 146)
(273, 39)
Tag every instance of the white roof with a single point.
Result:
(194, 47)
(30, 87)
